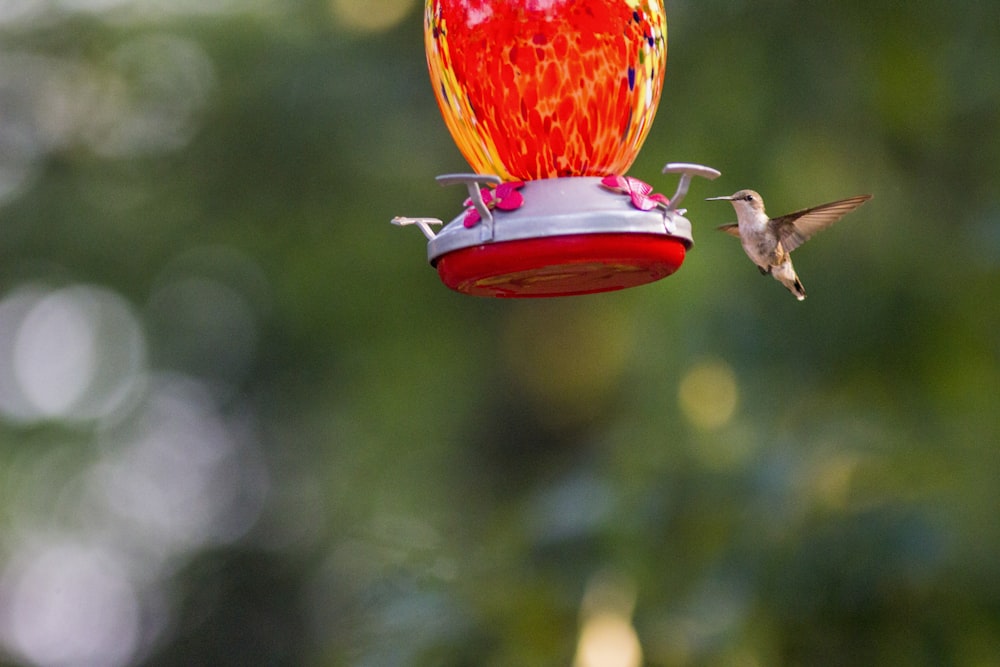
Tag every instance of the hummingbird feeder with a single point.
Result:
(549, 101)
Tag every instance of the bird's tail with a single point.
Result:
(797, 289)
(786, 275)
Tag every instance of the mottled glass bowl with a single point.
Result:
(533, 89)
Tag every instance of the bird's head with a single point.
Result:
(743, 201)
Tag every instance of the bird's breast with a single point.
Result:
(761, 247)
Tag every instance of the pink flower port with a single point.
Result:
(504, 197)
(641, 193)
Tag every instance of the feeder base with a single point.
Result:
(560, 236)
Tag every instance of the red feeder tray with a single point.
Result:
(561, 265)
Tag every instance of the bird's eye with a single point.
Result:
(749, 197)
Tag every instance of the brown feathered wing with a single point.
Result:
(796, 228)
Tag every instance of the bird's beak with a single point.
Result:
(726, 198)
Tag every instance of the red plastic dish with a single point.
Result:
(561, 265)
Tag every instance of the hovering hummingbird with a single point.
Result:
(769, 242)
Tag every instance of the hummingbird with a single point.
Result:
(768, 242)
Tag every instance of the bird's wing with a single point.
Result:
(796, 228)
(733, 229)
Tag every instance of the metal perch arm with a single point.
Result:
(687, 171)
(423, 223)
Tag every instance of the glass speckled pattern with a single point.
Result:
(535, 89)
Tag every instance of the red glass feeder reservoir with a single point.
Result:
(549, 101)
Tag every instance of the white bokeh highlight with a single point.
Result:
(75, 354)
(64, 604)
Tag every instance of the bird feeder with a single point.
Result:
(549, 101)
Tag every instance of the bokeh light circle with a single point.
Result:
(76, 353)
(65, 604)
(709, 394)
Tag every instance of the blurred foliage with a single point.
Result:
(243, 422)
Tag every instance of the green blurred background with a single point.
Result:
(243, 423)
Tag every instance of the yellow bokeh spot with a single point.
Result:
(708, 394)
(607, 636)
(370, 15)
(608, 640)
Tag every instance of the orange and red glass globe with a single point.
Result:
(553, 99)
(534, 89)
